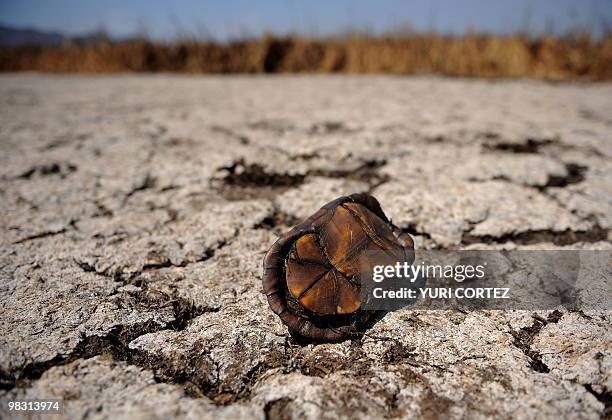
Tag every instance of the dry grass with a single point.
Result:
(576, 58)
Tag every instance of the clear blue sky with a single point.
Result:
(225, 19)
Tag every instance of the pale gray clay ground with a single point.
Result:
(136, 210)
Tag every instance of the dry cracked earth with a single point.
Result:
(136, 210)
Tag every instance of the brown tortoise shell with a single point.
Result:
(311, 274)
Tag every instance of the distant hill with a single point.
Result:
(17, 37)
(21, 37)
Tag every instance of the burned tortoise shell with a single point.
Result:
(312, 273)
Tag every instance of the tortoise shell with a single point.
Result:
(312, 273)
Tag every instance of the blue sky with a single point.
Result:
(224, 19)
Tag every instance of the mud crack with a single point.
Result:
(53, 168)
(243, 181)
(523, 339)
(575, 174)
(367, 172)
(566, 237)
(530, 145)
(604, 397)
(244, 174)
(115, 343)
(278, 409)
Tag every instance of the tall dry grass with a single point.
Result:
(575, 58)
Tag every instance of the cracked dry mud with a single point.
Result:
(136, 212)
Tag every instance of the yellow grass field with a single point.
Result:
(570, 58)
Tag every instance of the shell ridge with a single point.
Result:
(348, 279)
(319, 238)
(336, 290)
(313, 284)
(374, 237)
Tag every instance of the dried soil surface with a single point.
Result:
(136, 210)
